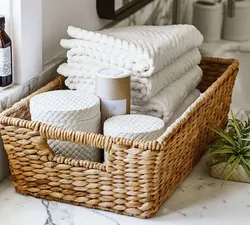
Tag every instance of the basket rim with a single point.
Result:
(100, 140)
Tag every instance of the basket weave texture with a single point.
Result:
(138, 175)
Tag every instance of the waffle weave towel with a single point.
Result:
(81, 76)
(165, 103)
(144, 50)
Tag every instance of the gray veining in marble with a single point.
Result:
(49, 220)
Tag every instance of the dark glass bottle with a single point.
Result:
(5, 56)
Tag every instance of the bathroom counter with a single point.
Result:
(219, 48)
(200, 200)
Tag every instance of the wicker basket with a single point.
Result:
(139, 175)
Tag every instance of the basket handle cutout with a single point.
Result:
(94, 140)
(86, 138)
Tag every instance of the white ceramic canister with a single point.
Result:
(79, 111)
(208, 19)
(134, 127)
(113, 87)
(237, 28)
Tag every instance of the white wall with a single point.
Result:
(26, 35)
(37, 26)
(58, 15)
(23, 24)
(5, 10)
(4, 168)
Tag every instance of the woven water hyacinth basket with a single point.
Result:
(138, 175)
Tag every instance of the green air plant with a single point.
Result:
(232, 147)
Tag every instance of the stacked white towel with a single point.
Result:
(166, 102)
(81, 76)
(162, 59)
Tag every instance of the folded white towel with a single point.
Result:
(188, 101)
(165, 103)
(143, 89)
(143, 49)
(82, 76)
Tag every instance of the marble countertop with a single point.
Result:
(200, 200)
(218, 48)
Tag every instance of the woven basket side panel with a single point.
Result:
(27, 152)
(211, 72)
(126, 188)
(37, 172)
(136, 172)
(185, 148)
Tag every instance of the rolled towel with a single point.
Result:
(72, 110)
(143, 49)
(135, 127)
(82, 76)
(165, 103)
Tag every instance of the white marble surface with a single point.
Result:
(219, 48)
(200, 200)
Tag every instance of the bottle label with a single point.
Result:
(113, 108)
(5, 62)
